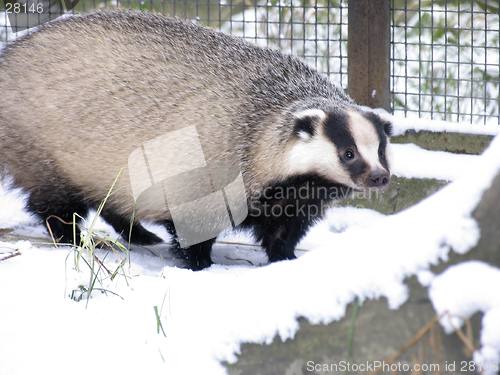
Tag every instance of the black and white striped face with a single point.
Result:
(350, 148)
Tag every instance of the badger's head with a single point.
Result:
(349, 147)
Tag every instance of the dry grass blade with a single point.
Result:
(247, 244)
(412, 342)
(246, 260)
(465, 338)
(9, 254)
(4, 231)
(50, 229)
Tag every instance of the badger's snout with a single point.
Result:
(379, 178)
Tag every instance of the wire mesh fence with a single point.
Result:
(445, 59)
(444, 54)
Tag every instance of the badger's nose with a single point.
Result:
(379, 178)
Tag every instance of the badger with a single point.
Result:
(86, 99)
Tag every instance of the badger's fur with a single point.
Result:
(81, 94)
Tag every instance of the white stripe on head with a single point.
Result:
(367, 139)
(314, 112)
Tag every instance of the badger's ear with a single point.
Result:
(387, 127)
(306, 122)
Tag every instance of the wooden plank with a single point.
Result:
(369, 52)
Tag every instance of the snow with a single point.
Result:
(411, 161)
(207, 315)
(447, 288)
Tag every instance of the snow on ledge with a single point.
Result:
(401, 125)
(411, 161)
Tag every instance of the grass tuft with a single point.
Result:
(86, 254)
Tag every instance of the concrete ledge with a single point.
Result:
(449, 142)
(401, 194)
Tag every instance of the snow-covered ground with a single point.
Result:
(206, 315)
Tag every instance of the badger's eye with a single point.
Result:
(349, 154)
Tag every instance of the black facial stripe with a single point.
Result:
(382, 148)
(337, 130)
(356, 168)
(383, 156)
(388, 128)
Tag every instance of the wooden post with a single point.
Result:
(368, 52)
